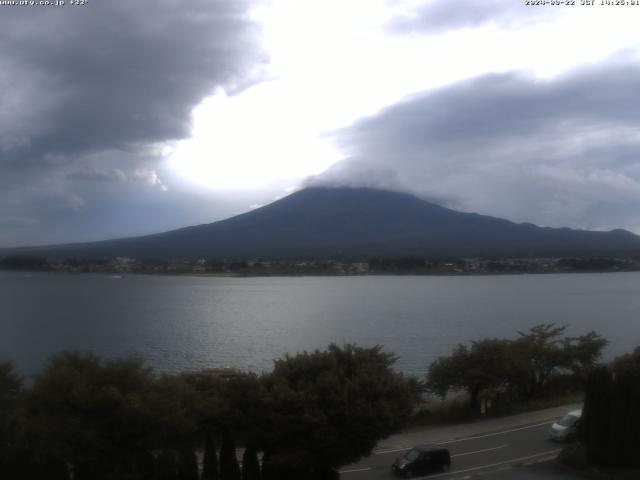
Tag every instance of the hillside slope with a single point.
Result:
(321, 222)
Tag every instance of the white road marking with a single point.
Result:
(382, 452)
(513, 460)
(465, 439)
(355, 470)
(457, 455)
(479, 451)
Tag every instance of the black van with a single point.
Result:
(422, 460)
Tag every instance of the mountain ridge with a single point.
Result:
(345, 221)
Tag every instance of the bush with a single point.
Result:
(451, 410)
(538, 364)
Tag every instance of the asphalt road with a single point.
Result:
(483, 453)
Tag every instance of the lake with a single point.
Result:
(185, 322)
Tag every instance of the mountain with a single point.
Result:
(322, 222)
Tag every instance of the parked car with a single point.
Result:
(564, 429)
(422, 460)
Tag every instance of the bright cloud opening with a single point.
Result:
(334, 62)
(251, 140)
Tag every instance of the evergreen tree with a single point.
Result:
(250, 464)
(625, 418)
(10, 389)
(167, 466)
(611, 421)
(210, 459)
(26, 465)
(188, 465)
(229, 468)
(145, 465)
(595, 418)
(624, 444)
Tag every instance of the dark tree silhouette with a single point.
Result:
(521, 368)
(486, 365)
(210, 459)
(611, 421)
(229, 468)
(329, 408)
(250, 464)
(188, 465)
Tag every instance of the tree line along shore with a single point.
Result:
(323, 266)
(88, 418)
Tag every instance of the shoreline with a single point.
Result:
(318, 274)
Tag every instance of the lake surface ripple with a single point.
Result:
(184, 323)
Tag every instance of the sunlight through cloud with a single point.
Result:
(249, 141)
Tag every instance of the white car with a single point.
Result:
(564, 429)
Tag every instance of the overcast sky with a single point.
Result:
(122, 118)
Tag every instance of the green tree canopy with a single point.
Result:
(106, 417)
(583, 353)
(522, 366)
(91, 413)
(329, 408)
(486, 365)
(540, 351)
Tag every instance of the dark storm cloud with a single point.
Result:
(93, 175)
(87, 94)
(558, 152)
(439, 15)
(115, 74)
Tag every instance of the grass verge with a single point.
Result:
(434, 411)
